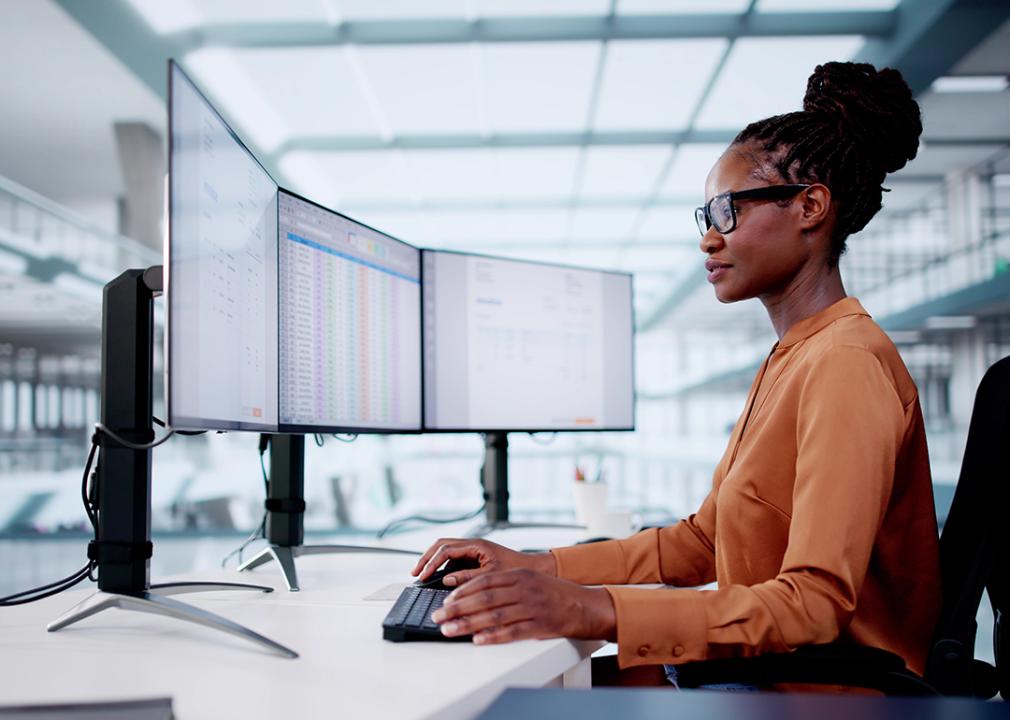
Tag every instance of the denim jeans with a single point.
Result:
(671, 675)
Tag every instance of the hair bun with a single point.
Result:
(875, 108)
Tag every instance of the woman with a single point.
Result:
(820, 524)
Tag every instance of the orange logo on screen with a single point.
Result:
(585, 421)
(257, 412)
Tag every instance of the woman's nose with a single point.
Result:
(711, 241)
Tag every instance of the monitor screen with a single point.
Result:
(221, 279)
(350, 336)
(524, 346)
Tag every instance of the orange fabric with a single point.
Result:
(820, 524)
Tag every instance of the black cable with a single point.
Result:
(348, 438)
(425, 519)
(58, 586)
(132, 445)
(262, 529)
(548, 441)
(320, 440)
(161, 423)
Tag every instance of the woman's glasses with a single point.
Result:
(720, 211)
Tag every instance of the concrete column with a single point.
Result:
(142, 161)
(967, 368)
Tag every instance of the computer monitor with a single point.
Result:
(513, 345)
(221, 273)
(350, 336)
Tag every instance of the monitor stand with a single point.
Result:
(285, 507)
(494, 477)
(122, 547)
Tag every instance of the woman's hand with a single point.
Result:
(500, 607)
(491, 557)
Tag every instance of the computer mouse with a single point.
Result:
(455, 565)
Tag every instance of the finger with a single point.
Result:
(429, 553)
(487, 581)
(487, 620)
(522, 630)
(483, 601)
(451, 551)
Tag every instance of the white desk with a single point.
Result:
(345, 668)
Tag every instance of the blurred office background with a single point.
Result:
(577, 131)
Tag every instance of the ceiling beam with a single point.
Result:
(932, 36)
(465, 141)
(871, 23)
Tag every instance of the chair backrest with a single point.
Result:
(973, 547)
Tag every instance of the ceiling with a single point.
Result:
(568, 130)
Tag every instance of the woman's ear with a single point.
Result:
(816, 206)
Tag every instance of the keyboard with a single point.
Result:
(410, 618)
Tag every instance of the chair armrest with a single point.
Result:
(851, 665)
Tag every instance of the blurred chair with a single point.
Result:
(974, 559)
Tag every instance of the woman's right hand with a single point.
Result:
(491, 556)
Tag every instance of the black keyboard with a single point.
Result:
(410, 618)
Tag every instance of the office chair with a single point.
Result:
(973, 558)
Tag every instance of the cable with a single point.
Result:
(132, 445)
(548, 441)
(161, 423)
(57, 587)
(261, 530)
(53, 588)
(348, 438)
(424, 518)
(320, 440)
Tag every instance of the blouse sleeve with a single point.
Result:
(849, 431)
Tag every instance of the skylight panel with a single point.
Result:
(623, 171)
(539, 86)
(258, 11)
(603, 258)
(532, 8)
(686, 179)
(546, 225)
(671, 7)
(655, 84)
(424, 88)
(537, 173)
(339, 179)
(825, 5)
(254, 115)
(768, 76)
(313, 90)
(598, 223)
(672, 223)
(164, 17)
(453, 174)
(402, 9)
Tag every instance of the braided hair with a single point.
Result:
(857, 125)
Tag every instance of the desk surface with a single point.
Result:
(659, 704)
(345, 667)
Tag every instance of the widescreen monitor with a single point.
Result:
(221, 273)
(350, 335)
(513, 345)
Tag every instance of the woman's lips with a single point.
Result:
(716, 270)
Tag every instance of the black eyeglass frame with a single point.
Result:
(703, 214)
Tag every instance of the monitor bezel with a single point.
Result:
(188, 423)
(426, 429)
(330, 429)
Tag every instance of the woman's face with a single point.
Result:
(767, 249)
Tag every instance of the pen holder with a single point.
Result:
(590, 502)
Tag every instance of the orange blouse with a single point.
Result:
(820, 525)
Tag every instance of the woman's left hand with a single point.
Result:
(500, 607)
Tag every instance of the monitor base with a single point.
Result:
(155, 602)
(285, 555)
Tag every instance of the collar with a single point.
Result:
(817, 322)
